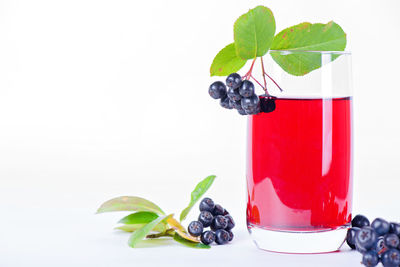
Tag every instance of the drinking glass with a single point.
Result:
(299, 157)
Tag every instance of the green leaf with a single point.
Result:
(139, 217)
(226, 62)
(161, 227)
(141, 233)
(197, 193)
(127, 203)
(253, 32)
(188, 243)
(307, 37)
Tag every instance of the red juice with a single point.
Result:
(299, 165)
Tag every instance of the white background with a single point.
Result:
(107, 98)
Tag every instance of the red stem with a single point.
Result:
(265, 89)
(248, 74)
(273, 81)
(263, 70)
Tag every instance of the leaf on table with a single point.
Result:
(142, 232)
(197, 193)
(226, 62)
(180, 230)
(254, 32)
(129, 203)
(188, 243)
(139, 217)
(307, 37)
(161, 227)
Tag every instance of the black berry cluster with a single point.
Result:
(217, 218)
(240, 95)
(378, 241)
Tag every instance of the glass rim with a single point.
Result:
(289, 51)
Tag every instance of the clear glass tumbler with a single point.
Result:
(299, 158)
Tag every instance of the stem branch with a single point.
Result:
(273, 81)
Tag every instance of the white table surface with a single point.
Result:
(40, 234)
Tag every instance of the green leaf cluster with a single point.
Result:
(150, 221)
(254, 35)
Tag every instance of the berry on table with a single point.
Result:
(207, 237)
(195, 228)
(379, 245)
(395, 229)
(351, 237)
(207, 204)
(219, 222)
(233, 94)
(370, 258)
(380, 226)
(365, 238)
(230, 235)
(225, 102)
(391, 240)
(206, 218)
(218, 210)
(221, 237)
(231, 222)
(391, 258)
(246, 89)
(217, 90)
(360, 221)
(249, 102)
(234, 80)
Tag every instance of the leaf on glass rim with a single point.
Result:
(142, 232)
(128, 203)
(161, 227)
(197, 193)
(253, 32)
(307, 37)
(139, 217)
(187, 243)
(180, 230)
(226, 62)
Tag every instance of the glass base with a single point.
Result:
(298, 242)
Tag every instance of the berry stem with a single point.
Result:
(248, 74)
(273, 81)
(263, 72)
(169, 232)
(264, 88)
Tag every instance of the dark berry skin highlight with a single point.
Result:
(218, 210)
(380, 226)
(234, 80)
(360, 221)
(370, 258)
(207, 237)
(217, 90)
(246, 89)
(206, 218)
(221, 237)
(207, 204)
(219, 222)
(231, 222)
(365, 238)
(195, 228)
(351, 237)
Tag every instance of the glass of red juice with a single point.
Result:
(299, 157)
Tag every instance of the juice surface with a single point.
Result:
(299, 165)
